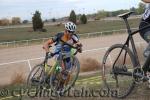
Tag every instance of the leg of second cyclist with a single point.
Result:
(147, 51)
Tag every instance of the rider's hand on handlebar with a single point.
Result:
(49, 55)
(79, 47)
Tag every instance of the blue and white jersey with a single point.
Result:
(146, 14)
(60, 45)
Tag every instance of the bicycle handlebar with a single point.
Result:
(52, 54)
(68, 44)
(71, 47)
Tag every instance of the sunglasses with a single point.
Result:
(70, 31)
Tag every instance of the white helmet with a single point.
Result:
(70, 26)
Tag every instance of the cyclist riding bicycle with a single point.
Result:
(69, 37)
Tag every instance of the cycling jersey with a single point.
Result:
(64, 37)
(146, 15)
(144, 22)
(66, 49)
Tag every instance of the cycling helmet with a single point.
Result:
(70, 26)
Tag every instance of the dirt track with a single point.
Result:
(23, 53)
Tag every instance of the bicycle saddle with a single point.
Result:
(125, 15)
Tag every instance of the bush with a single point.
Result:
(25, 21)
(53, 19)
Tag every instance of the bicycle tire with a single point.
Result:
(76, 61)
(108, 78)
(30, 76)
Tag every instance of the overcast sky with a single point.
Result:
(59, 8)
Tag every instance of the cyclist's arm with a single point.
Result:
(77, 43)
(51, 41)
(146, 1)
(47, 44)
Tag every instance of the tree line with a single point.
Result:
(137, 11)
(38, 23)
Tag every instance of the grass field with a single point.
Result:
(23, 89)
(94, 26)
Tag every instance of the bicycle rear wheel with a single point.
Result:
(56, 78)
(119, 59)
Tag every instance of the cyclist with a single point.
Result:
(69, 37)
(145, 34)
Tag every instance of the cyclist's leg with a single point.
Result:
(147, 52)
(68, 65)
(145, 34)
(147, 39)
(67, 61)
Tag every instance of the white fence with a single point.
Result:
(29, 60)
(42, 40)
(85, 51)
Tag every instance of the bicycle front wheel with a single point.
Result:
(118, 66)
(56, 78)
(73, 74)
(36, 76)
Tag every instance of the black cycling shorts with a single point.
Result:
(145, 32)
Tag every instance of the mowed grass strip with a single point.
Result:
(16, 34)
(89, 81)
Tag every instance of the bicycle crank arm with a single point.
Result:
(138, 75)
(135, 75)
(124, 73)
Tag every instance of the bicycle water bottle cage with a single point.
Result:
(125, 15)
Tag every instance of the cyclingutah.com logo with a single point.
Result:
(36, 92)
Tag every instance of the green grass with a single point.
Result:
(95, 26)
(24, 89)
(12, 89)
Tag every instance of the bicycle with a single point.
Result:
(43, 74)
(123, 71)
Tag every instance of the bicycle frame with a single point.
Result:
(58, 62)
(134, 51)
